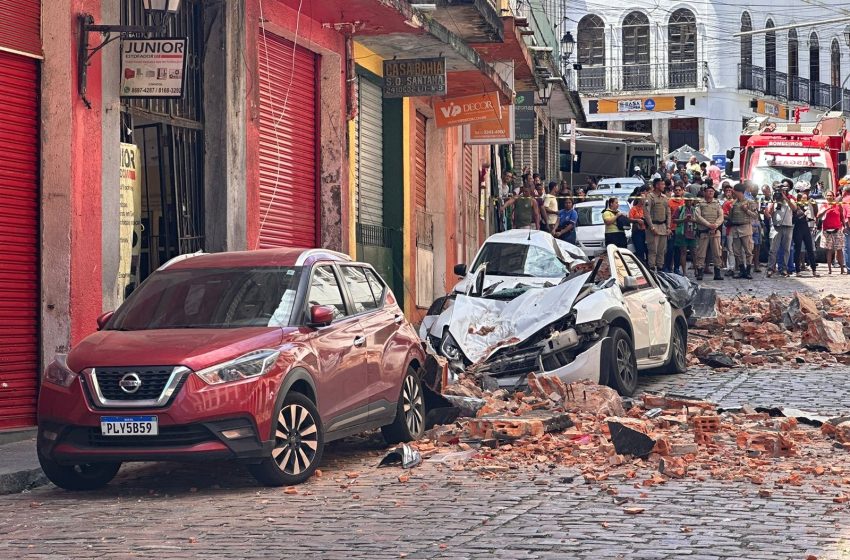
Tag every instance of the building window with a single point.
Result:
(745, 80)
(591, 53)
(835, 99)
(636, 73)
(814, 70)
(746, 40)
(591, 41)
(793, 66)
(814, 58)
(835, 63)
(770, 59)
(682, 49)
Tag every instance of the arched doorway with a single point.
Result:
(636, 68)
(682, 49)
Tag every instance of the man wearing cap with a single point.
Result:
(638, 174)
(657, 214)
(741, 215)
(709, 218)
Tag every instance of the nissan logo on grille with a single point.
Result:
(130, 383)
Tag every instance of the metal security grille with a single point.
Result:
(19, 240)
(370, 153)
(378, 236)
(188, 22)
(170, 135)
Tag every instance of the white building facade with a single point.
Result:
(675, 69)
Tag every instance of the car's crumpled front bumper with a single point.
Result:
(587, 365)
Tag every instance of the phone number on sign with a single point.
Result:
(155, 90)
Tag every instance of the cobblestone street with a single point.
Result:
(357, 511)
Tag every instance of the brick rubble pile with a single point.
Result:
(751, 332)
(586, 427)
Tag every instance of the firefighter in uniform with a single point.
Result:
(709, 218)
(741, 216)
(657, 215)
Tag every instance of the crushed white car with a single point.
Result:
(605, 321)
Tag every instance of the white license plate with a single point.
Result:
(129, 425)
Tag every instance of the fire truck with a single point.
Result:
(801, 151)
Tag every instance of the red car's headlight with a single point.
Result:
(252, 364)
(58, 373)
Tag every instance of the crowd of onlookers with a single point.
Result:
(689, 209)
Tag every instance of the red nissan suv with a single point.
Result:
(260, 356)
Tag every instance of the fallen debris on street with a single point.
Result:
(591, 428)
(750, 331)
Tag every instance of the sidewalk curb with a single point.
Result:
(16, 482)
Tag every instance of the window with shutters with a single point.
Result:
(835, 64)
(746, 40)
(793, 65)
(770, 59)
(636, 51)
(591, 41)
(746, 78)
(814, 58)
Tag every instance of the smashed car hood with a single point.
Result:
(482, 326)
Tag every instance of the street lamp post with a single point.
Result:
(568, 44)
(161, 8)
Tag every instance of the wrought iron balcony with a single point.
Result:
(595, 80)
(792, 88)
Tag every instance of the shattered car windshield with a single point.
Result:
(508, 259)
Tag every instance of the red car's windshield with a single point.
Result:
(211, 298)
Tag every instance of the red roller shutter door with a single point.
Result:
(19, 240)
(20, 26)
(288, 144)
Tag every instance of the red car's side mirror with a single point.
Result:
(321, 315)
(103, 319)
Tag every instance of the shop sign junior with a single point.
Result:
(153, 67)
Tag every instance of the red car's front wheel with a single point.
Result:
(298, 443)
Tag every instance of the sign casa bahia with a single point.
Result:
(415, 77)
(153, 67)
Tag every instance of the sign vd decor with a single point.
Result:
(467, 109)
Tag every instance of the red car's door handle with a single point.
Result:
(359, 341)
(398, 319)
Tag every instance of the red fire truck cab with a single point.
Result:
(807, 151)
